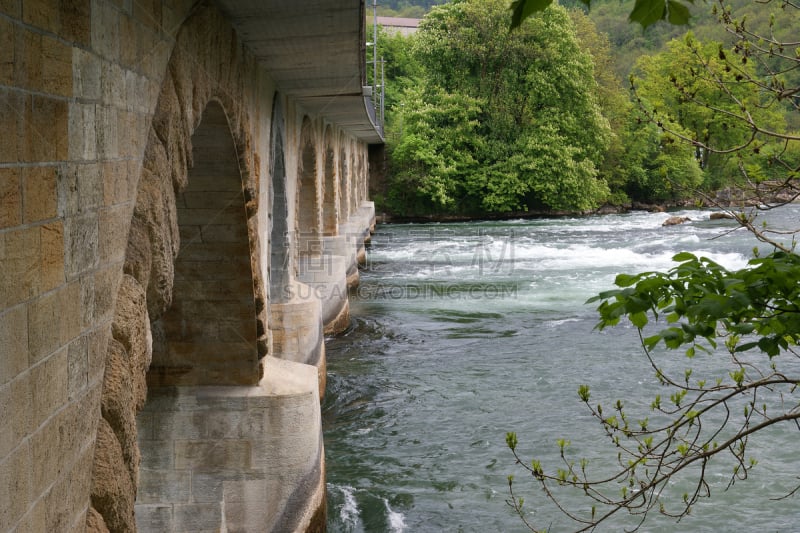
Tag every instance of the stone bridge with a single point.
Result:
(183, 206)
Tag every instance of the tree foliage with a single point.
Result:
(691, 87)
(706, 308)
(645, 12)
(528, 132)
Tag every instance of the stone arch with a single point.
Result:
(330, 210)
(280, 233)
(364, 174)
(308, 201)
(342, 181)
(353, 177)
(200, 87)
(208, 335)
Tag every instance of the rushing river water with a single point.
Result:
(462, 332)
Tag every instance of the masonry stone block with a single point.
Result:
(198, 517)
(156, 455)
(42, 14)
(39, 193)
(107, 131)
(224, 425)
(14, 340)
(145, 423)
(46, 129)
(119, 181)
(15, 484)
(75, 21)
(113, 228)
(20, 250)
(98, 345)
(28, 55)
(233, 454)
(78, 367)
(86, 74)
(83, 137)
(16, 403)
(165, 486)
(11, 103)
(66, 501)
(106, 283)
(178, 425)
(7, 31)
(105, 29)
(157, 517)
(52, 385)
(81, 241)
(128, 34)
(56, 67)
(52, 321)
(88, 301)
(34, 520)
(10, 196)
(51, 261)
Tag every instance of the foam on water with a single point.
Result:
(348, 512)
(397, 523)
(425, 374)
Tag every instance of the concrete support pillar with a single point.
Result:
(233, 458)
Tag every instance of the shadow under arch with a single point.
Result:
(280, 268)
(208, 336)
(307, 218)
(330, 210)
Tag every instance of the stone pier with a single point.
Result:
(183, 204)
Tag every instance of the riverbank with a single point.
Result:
(723, 199)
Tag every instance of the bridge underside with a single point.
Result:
(315, 50)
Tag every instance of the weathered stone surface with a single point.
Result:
(95, 522)
(138, 256)
(155, 208)
(173, 133)
(117, 408)
(113, 492)
(131, 327)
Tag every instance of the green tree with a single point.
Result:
(533, 132)
(691, 85)
(641, 164)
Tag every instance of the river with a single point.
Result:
(462, 332)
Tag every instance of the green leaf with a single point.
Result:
(648, 12)
(522, 9)
(678, 13)
(625, 280)
(683, 256)
(639, 319)
(746, 346)
(511, 440)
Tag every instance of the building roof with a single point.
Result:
(398, 22)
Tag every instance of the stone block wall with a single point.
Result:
(75, 107)
(99, 102)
